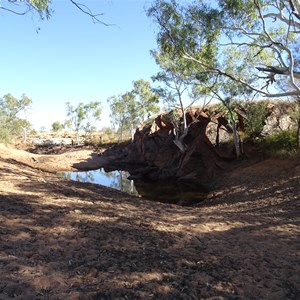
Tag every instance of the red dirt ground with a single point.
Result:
(67, 240)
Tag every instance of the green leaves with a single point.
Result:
(57, 126)
(185, 28)
(42, 7)
(123, 113)
(262, 33)
(12, 123)
(133, 108)
(11, 106)
(83, 116)
(146, 99)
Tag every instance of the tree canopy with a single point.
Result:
(44, 8)
(83, 117)
(261, 37)
(12, 124)
(132, 108)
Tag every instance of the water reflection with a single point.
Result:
(115, 179)
(162, 191)
(171, 192)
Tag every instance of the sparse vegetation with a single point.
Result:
(13, 123)
(83, 117)
(255, 118)
(57, 126)
(282, 143)
(239, 237)
(131, 109)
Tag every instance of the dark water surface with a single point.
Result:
(161, 191)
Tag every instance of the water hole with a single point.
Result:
(161, 191)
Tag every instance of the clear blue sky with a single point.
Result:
(73, 59)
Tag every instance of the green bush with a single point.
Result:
(256, 117)
(282, 142)
(5, 135)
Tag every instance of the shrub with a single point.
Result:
(256, 117)
(282, 142)
(5, 135)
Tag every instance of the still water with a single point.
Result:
(161, 191)
(114, 179)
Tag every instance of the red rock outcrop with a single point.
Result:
(206, 145)
(154, 144)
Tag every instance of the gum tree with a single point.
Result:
(83, 117)
(184, 80)
(248, 44)
(265, 31)
(176, 91)
(57, 126)
(146, 99)
(133, 108)
(12, 123)
(118, 116)
(122, 112)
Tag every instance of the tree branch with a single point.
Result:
(83, 8)
(15, 12)
(281, 18)
(31, 6)
(240, 81)
(279, 71)
(295, 9)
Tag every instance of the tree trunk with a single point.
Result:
(24, 135)
(236, 138)
(121, 133)
(218, 136)
(179, 140)
(77, 137)
(298, 134)
(132, 132)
